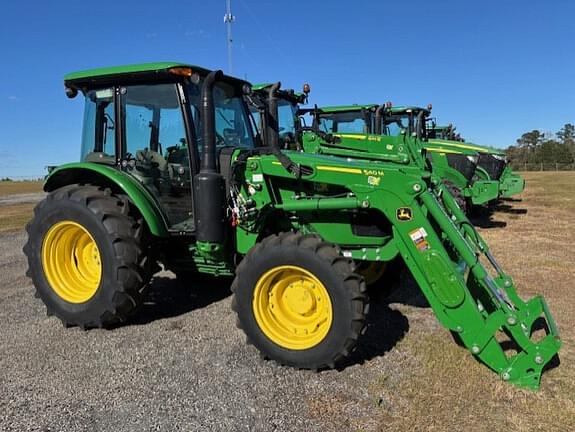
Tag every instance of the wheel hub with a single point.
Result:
(292, 307)
(71, 262)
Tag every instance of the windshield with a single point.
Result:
(396, 125)
(233, 125)
(287, 114)
(405, 122)
(345, 122)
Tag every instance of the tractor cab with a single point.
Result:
(145, 121)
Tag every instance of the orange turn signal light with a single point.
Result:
(181, 71)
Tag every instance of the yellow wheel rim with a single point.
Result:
(372, 271)
(71, 262)
(292, 307)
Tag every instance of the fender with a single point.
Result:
(98, 174)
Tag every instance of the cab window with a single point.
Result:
(98, 134)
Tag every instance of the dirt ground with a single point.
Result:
(182, 365)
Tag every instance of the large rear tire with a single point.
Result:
(299, 301)
(87, 256)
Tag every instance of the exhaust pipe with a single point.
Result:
(379, 112)
(272, 122)
(209, 122)
(209, 185)
(420, 124)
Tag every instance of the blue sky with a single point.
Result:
(493, 68)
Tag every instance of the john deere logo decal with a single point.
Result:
(404, 214)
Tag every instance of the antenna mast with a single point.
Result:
(229, 19)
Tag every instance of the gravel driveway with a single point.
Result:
(181, 364)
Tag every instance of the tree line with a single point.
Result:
(536, 147)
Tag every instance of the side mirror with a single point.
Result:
(71, 92)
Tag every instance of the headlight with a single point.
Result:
(473, 159)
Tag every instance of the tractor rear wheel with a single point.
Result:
(87, 256)
(299, 301)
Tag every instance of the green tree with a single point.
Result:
(528, 144)
(567, 138)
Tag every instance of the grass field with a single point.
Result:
(15, 216)
(19, 187)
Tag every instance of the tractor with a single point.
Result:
(510, 183)
(171, 172)
(492, 163)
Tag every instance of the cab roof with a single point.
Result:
(401, 109)
(343, 108)
(440, 128)
(131, 72)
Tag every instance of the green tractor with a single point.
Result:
(493, 164)
(442, 132)
(455, 165)
(171, 172)
(492, 160)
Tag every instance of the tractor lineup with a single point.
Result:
(203, 173)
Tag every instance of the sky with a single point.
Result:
(494, 68)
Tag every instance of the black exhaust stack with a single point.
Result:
(379, 113)
(209, 185)
(272, 121)
(273, 130)
(420, 126)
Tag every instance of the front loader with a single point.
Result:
(172, 173)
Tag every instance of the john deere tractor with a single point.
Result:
(172, 173)
(492, 163)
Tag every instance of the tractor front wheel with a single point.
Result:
(86, 256)
(299, 301)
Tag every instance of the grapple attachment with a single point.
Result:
(475, 299)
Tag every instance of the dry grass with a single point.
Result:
(18, 187)
(15, 217)
(431, 384)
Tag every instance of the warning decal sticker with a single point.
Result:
(418, 237)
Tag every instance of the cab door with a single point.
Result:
(155, 143)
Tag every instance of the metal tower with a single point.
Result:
(228, 20)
